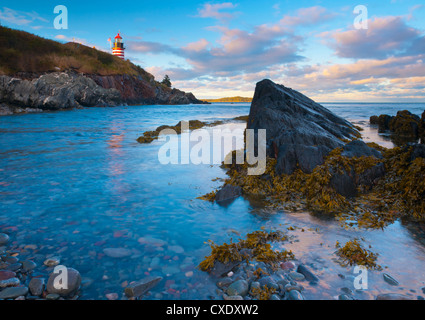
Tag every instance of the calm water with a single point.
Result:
(76, 182)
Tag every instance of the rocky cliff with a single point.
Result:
(300, 132)
(67, 90)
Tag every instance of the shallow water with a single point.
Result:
(76, 182)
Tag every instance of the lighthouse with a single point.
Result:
(118, 48)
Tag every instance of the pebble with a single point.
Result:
(36, 286)
(224, 283)
(112, 296)
(117, 252)
(345, 297)
(152, 241)
(52, 262)
(238, 288)
(14, 267)
(170, 270)
(295, 295)
(4, 275)
(390, 280)
(236, 297)
(307, 273)
(13, 292)
(4, 239)
(347, 291)
(189, 274)
(52, 296)
(393, 296)
(12, 282)
(274, 297)
(296, 276)
(11, 260)
(28, 265)
(176, 249)
(255, 285)
(287, 265)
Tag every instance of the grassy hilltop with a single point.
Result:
(21, 51)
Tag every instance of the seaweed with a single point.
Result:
(352, 253)
(149, 136)
(264, 293)
(256, 246)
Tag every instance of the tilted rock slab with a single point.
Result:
(299, 130)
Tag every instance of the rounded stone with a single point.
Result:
(36, 286)
(52, 296)
(117, 252)
(13, 292)
(238, 288)
(52, 262)
(4, 239)
(28, 265)
(64, 288)
(4, 275)
(295, 295)
(296, 276)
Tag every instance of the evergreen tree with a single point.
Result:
(166, 81)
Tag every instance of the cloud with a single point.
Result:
(149, 47)
(237, 50)
(308, 16)
(19, 17)
(215, 11)
(385, 37)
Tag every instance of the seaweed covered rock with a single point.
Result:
(405, 126)
(300, 132)
(347, 182)
(227, 194)
(382, 121)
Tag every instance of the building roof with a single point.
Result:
(118, 36)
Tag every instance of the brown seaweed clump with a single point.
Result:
(352, 253)
(263, 293)
(256, 246)
(149, 136)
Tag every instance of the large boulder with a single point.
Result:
(300, 132)
(58, 286)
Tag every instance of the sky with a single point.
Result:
(324, 49)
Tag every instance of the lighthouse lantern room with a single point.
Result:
(118, 48)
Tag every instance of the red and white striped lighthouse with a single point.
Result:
(118, 48)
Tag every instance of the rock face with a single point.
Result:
(54, 91)
(300, 132)
(67, 90)
(136, 90)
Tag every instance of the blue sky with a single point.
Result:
(222, 48)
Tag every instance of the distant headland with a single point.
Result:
(230, 99)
